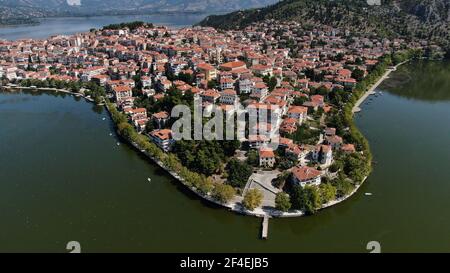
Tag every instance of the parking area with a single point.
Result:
(262, 181)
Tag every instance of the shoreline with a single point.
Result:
(371, 91)
(35, 21)
(43, 89)
(234, 206)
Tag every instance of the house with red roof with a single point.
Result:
(256, 141)
(122, 92)
(259, 91)
(161, 119)
(323, 155)
(335, 141)
(210, 95)
(289, 126)
(296, 151)
(299, 113)
(163, 139)
(208, 70)
(266, 157)
(229, 97)
(306, 176)
(226, 83)
(233, 66)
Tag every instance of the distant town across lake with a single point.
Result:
(70, 25)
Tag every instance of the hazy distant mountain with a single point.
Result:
(176, 5)
(21, 9)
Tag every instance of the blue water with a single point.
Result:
(70, 25)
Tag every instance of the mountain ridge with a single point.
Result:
(92, 7)
(425, 19)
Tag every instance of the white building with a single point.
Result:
(226, 83)
(163, 139)
(306, 176)
(266, 158)
(298, 112)
(245, 86)
(122, 92)
(228, 97)
(323, 154)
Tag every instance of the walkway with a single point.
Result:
(262, 181)
(371, 91)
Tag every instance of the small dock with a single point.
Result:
(265, 227)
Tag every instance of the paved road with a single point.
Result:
(263, 182)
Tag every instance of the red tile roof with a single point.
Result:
(305, 173)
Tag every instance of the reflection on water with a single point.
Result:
(429, 81)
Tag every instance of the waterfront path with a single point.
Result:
(13, 88)
(372, 89)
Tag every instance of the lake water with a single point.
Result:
(64, 178)
(71, 25)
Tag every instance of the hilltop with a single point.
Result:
(424, 19)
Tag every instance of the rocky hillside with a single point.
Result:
(427, 19)
(427, 10)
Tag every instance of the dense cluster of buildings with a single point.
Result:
(265, 66)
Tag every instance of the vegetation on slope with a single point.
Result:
(413, 18)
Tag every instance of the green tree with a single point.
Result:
(186, 77)
(271, 82)
(356, 167)
(359, 61)
(223, 193)
(238, 173)
(149, 126)
(253, 158)
(327, 192)
(212, 84)
(282, 201)
(336, 166)
(358, 74)
(252, 199)
(298, 101)
(306, 199)
(343, 187)
(447, 53)
(281, 179)
(206, 185)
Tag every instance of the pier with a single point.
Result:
(265, 227)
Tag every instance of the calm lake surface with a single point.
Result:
(71, 25)
(64, 178)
